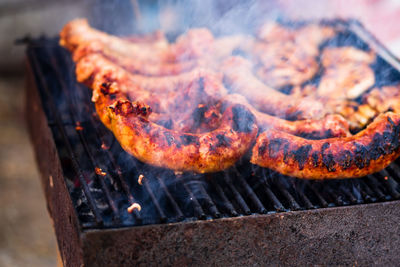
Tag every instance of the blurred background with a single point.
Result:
(26, 233)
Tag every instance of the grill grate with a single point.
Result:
(84, 144)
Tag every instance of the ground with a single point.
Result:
(26, 234)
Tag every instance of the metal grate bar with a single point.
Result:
(249, 192)
(110, 156)
(175, 206)
(349, 195)
(82, 138)
(211, 206)
(394, 171)
(239, 199)
(276, 204)
(375, 187)
(163, 217)
(321, 200)
(196, 205)
(389, 183)
(146, 173)
(305, 200)
(291, 201)
(368, 191)
(226, 203)
(82, 178)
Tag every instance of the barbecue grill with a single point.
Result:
(244, 216)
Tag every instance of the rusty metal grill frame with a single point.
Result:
(101, 202)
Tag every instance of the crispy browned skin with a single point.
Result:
(237, 73)
(106, 76)
(307, 37)
(78, 32)
(378, 100)
(191, 109)
(158, 92)
(93, 62)
(288, 56)
(219, 49)
(134, 64)
(156, 145)
(284, 64)
(367, 152)
(385, 98)
(332, 125)
(347, 72)
(195, 47)
(202, 153)
(332, 56)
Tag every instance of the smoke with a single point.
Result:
(221, 17)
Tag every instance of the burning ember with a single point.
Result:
(78, 126)
(99, 171)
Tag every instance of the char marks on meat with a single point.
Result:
(202, 102)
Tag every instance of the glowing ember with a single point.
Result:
(99, 171)
(78, 126)
(134, 206)
(104, 146)
(140, 179)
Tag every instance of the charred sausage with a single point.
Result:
(202, 153)
(238, 75)
(367, 152)
(332, 125)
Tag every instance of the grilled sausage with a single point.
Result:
(92, 63)
(78, 32)
(132, 64)
(288, 56)
(108, 77)
(160, 93)
(332, 125)
(202, 153)
(308, 37)
(367, 152)
(238, 75)
(346, 81)
(333, 56)
(191, 109)
(195, 43)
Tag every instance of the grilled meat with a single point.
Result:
(367, 152)
(284, 64)
(288, 56)
(385, 98)
(208, 152)
(347, 72)
(332, 56)
(167, 105)
(332, 125)
(238, 74)
(346, 81)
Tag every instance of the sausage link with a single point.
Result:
(367, 152)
